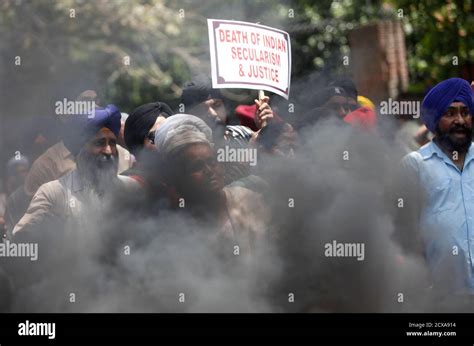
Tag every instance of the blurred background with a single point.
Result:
(133, 52)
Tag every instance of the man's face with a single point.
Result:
(149, 141)
(21, 171)
(201, 174)
(98, 160)
(455, 127)
(339, 104)
(212, 111)
(104, 143)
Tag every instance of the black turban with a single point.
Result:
(199, 91)
(139, 123)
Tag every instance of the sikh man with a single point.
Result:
(217, 111)
(86, 188)
(58, 160)
(209, 104)
(139, 136)
(442, 173)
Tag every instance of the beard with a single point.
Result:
(98, 172)
(451, 142)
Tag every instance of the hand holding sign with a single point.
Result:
(263, 112)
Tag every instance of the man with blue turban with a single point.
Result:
(443, 173)
(88, 186)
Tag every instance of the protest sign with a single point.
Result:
(251, 56)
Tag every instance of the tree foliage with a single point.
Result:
(70, 45)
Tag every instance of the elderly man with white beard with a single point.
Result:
(87, 188)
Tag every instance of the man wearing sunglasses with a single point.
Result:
(139, 135)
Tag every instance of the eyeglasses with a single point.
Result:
(151, 137)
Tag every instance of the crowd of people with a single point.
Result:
(155, 160)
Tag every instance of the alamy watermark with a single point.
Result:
(28, 328)
(67, 107)
(393, 107)
(229, 154)
(336, 249)
(9, 249)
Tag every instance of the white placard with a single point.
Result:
(249, 56)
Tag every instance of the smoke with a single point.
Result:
(339, 187)
(125, 255)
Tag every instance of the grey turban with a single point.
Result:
(179, 130)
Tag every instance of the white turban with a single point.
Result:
(179, 130)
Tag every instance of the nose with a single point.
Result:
(459, 119)
(107, 149)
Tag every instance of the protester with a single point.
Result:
(443, 172)
(358, 115)
(94, 178)
(278, 139)
(209, 104)
(58, 160)
(184, 143)
(17, 170)
(334, 98)
(139, 134)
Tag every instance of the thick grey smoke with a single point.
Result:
(339, 187)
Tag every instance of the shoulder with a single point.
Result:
(236, 192)
(252, 182)
(414, 159)
(50, 190)
(49, 155)
(45, 167)
(129, 183)
(246, 204)
(248, 213)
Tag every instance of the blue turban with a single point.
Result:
(109, 117)
(440, 97)
(82, 127)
